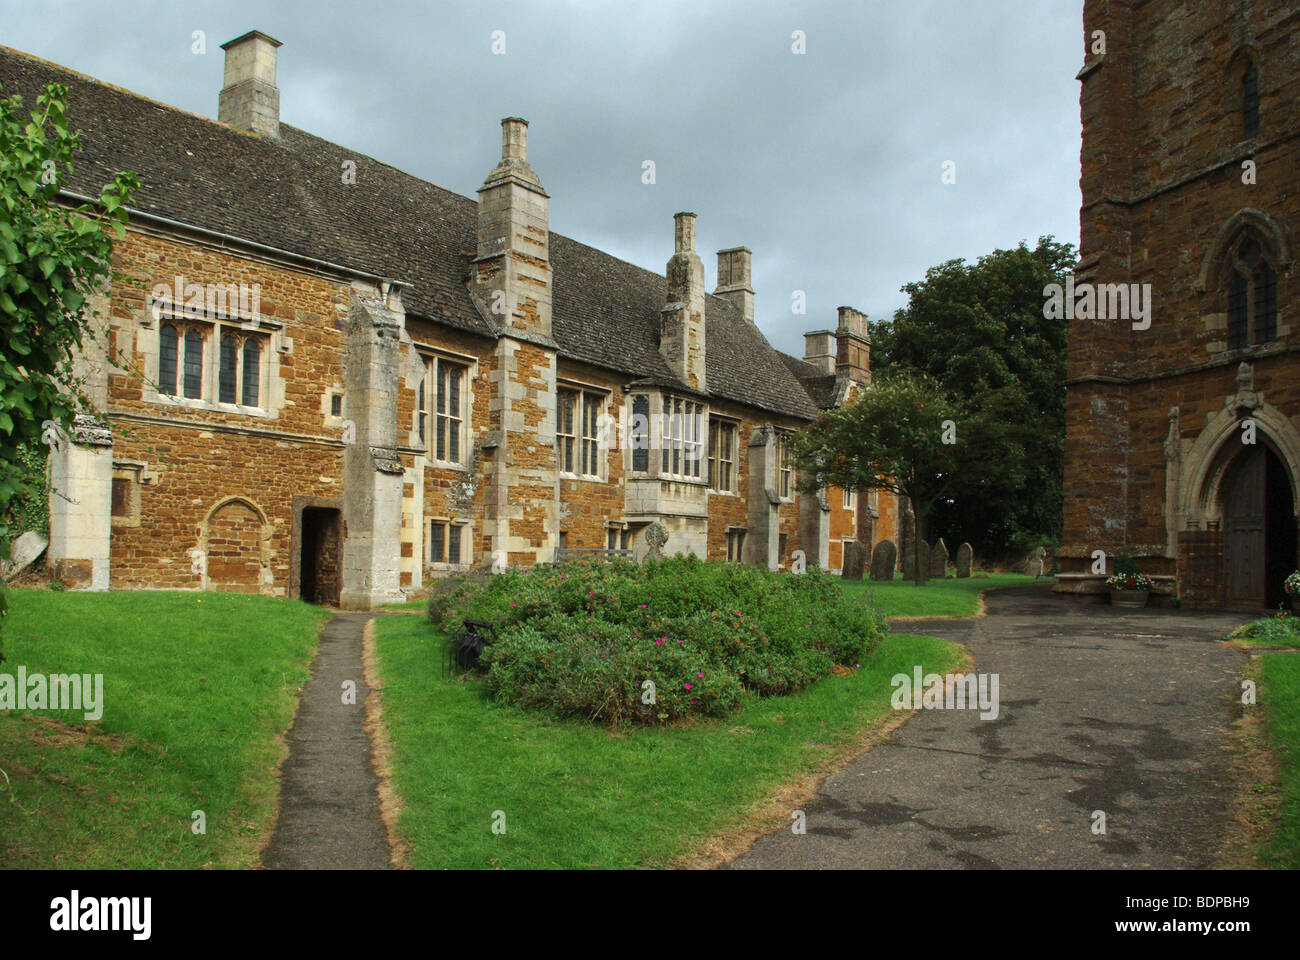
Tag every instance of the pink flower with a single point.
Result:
(688, 686)
(514, 604)
(699, 674)
(660, 641)
(681, 641)
(643, 606)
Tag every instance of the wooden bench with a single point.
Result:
(563, 554)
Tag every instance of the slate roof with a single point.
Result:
(289, 194)
(822, 388)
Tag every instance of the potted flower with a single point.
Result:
(1292, 584)
(1128, 589)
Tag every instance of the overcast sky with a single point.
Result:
(827, 165)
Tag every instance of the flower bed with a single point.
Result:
(617, 642)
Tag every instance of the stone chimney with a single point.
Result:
(819, 349)
(512, 274)
(681, 323)
(853, 346)
(734, 281)
(250, 100)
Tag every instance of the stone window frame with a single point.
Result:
(465, 543)
(621, 532)
(679, 429)
(1241, 101)
(785, 472)
(639, 442)
(242, 338)
(731, 425)
(212, 327)
(850, 499)
(1244, 282)
(426, 406)
(428, 354)
(336, 421)
(736, 544)
(135, 473)
(587, 444)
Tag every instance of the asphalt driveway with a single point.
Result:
(1101, 710)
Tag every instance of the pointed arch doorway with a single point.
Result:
(1259, 528)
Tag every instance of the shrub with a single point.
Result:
(1282, 630)
(582, 639)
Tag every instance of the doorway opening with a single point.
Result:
(320, 571)
(1259, 529)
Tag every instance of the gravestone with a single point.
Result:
(656, 536)
(883, 559)
(965, 556)
(939, 560)
(1035, 562)
(909, 552)
(22, 552)
(854, 559)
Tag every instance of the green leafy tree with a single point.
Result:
(907, 434)
(54, 257)
(979, 330)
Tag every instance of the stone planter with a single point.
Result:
(1129, 599)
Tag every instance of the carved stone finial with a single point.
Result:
(1173, 445)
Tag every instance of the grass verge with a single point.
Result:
(572, 795)
(937, 599)
(198, 691)
(1280, 695)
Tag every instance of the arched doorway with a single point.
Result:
(1259, 528)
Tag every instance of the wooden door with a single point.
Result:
(1245, 507)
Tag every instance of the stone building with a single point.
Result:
(323, 377)
(1182, 446)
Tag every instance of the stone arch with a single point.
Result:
(235, 540)
(1214, 451)
(1214, 266)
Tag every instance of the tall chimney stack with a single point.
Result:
(681, 323)
(819, 349)
(734, 280)
(853, 346)
(250, 100)
(513, 267)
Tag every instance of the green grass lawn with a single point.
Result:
(1280, 694)
(197, 689)
(407, 605)
(575, 795)
(937, 598)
